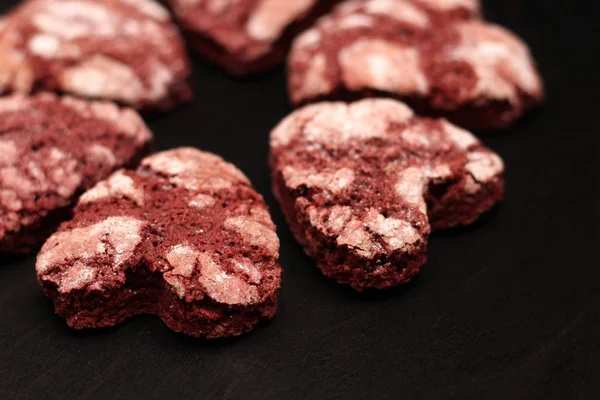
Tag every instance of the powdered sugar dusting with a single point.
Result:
(396, 234)
(410, 186)
(126, 121)
(271, 17)
(48, 171)
(418, 135)
(316, 81)
(117, 186)
(291, 125)
(10, 200)
(355, 236)
(484, 166)
(466, 66)
(44, 45)
(149, 8)
(11, 103)
(202, 201)
(73, 40)
(9, 152)
(501, 61)
(122, 234)
(255, 233)
(400, 10)
(72, 19)
(78, 276)
(439, 172)
(449, 5)
(225, 288)
(15, 180)
(333, 181)
(216, 7)
(16, 72)
(340, 222)
(248, 268)
(101, 156)
(460, 137)
(195, 170)
(309, 38)
(182, 258)
(367, 236)
(335, 123)
(102, 77)
(63, 172)
(377, 167)
(378, 64)
(201, 259)
(50, 154)
(353, 21)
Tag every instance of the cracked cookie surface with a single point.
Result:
(478, 75)
(362, 185)
(125, 51)
(53, 148)
(184, 237)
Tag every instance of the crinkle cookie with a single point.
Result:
(246, 36)
(51, 150)
(127, 51)
(362, 184)
(476, 74)
(436, 9)
(184, 237)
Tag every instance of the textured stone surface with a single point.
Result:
(246, 36)
(52, 150)
(126, 51)
(184, 237)
(362, 185)
(442, 61)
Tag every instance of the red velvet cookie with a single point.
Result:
(246, 36)
(184, 237)
(476, 74)
(362, 185)
(126, 51)
(51, 150)
(436, 9)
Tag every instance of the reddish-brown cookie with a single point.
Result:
(127, 51)
(362, 185)
(476, 74)
(246, 36)
(184, 237)
(51, 150)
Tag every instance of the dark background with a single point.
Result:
(508, 308)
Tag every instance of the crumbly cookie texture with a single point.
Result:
(52, 149)
(452, 8)
(477, 74)
(124, 51)
(184, 237)
(362, 184)
(246, 36)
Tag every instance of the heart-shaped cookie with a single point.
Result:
(362, 184)
(184, 237)
(128, 51)
(476, 74)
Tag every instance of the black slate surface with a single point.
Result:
(508, 308)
